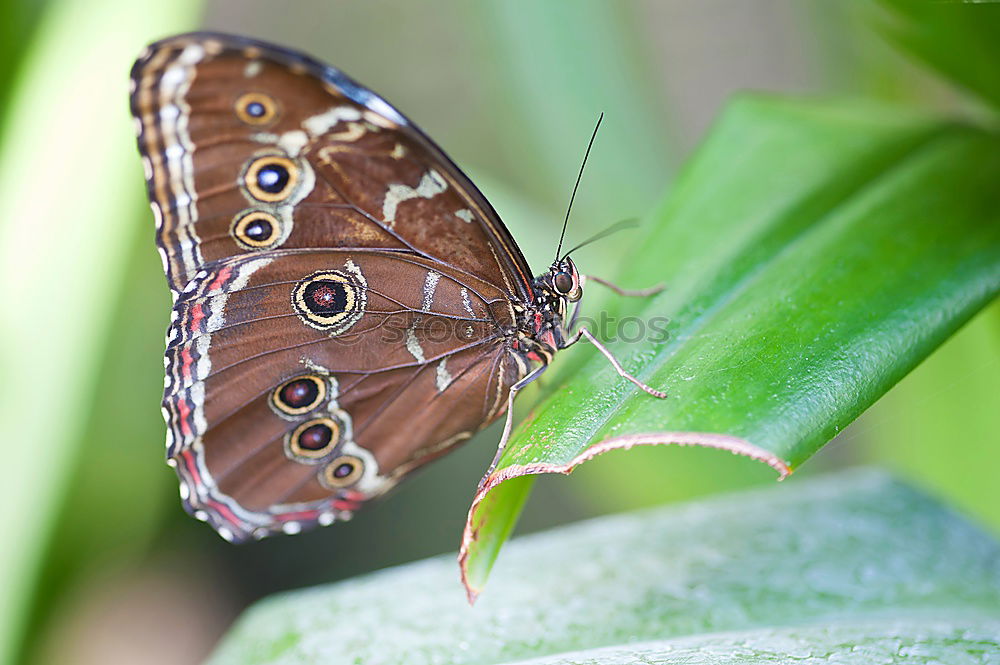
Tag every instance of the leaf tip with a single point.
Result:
(473, 581)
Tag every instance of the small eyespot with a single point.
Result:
(313, 440)
(271, 178)
(342, 472)
(299, 395)
(256, 229)
(255, 108)
(563, 282)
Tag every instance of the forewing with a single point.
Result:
(250, 148)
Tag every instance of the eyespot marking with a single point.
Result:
(342, 472)
(256, 108)
(256, 229)
(299, 395)
(313, 440)
(271, 178)
(331, 300)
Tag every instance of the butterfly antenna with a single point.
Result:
(562, 235)
(629, 223)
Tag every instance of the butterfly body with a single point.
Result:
(347, 305)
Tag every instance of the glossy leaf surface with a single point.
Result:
(851, 568)
(814, 252)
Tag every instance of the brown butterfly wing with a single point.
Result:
(413, 365)
(210, 108)
(280, 185)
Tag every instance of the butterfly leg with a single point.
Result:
(583, 332)
(636, 293)
(509, 421)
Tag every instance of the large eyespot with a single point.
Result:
(256, 108)
(299, 395)
(342, 472)
(256, 229)
(330, 300)
(313, 440)
(563, 281)
(271, 178)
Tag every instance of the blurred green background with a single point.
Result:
(99, 563)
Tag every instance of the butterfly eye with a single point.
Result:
(271, 179)
(256, 230)
(299, 395)
(313, 440)
(563, 282)
(342, 472)
(255, 108)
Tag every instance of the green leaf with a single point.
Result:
(852, 568)
(814, 253)
(959, 39)
(17, 23)
(66, 222)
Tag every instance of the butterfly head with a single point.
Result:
(564, 279)
(544, 324)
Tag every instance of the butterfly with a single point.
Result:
(347, 305)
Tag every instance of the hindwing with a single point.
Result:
(282, 368)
